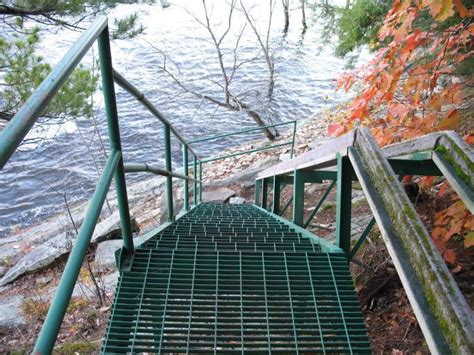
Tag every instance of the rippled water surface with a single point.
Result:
(33, 183)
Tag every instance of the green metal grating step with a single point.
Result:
(180, 301)
(232, 279)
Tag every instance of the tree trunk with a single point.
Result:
(286, 10)
(303, 14)
(258, 120)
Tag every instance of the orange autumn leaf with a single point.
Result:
(469, 139)
(469, 240)
(438, 232)
(442, 189)
(451, 120)
(463, 12)
(469, 223)
(441, 9)
(427, 181)
(453, 230)
(335, 129)
(456, 210)
(450, 256)
(440, 245)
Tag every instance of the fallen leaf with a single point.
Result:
(451, 120)
(469, 240)
(457, 269)
(450, 256)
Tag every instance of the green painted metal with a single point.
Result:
(319, 204)
(235, 279)
(19, 126)
(258, 191)
(343, 204)
(215, 251)
(186, 183)
(195, 190)
(200, 140)
(326, 246)
(276, 194)
(54, 318)
(415, 167)
(293, 140)
(169, 179)
(298, 197)
(264, 193)
(144, 167)
(207, 160)
(200, 181)
(127, 86)
(361, 239)
(108, 89)
(290, 200)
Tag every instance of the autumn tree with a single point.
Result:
(415, 84)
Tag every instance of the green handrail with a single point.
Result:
(291, 142)
(17, 129)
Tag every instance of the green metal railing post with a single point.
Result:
(108, 89)
(293, 140)
(169, 179)
(185, 171)
(361, 239)
(298, 197)
(257, 192)
(276, 194)
(264, 193)
(200, 181)
(55, 316)
(320, 203)
(195, 192)
(343, 207)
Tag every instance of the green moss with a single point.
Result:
(448, 156)
(449, 325)
(81, 347)
(328, 206)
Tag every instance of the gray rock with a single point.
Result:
(46, 253)
(357, 195)
(219, 195)
(108, 228)
(105, 254)
(41, 256)
(237, 200)
(177, 204)
(10, 312)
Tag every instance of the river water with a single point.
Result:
(33, 184)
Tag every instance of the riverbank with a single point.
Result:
(388, 315)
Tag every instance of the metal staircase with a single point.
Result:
(233, 279)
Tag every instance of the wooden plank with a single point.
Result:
(322, 157)
(436, 299)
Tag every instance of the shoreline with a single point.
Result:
(146, 198)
